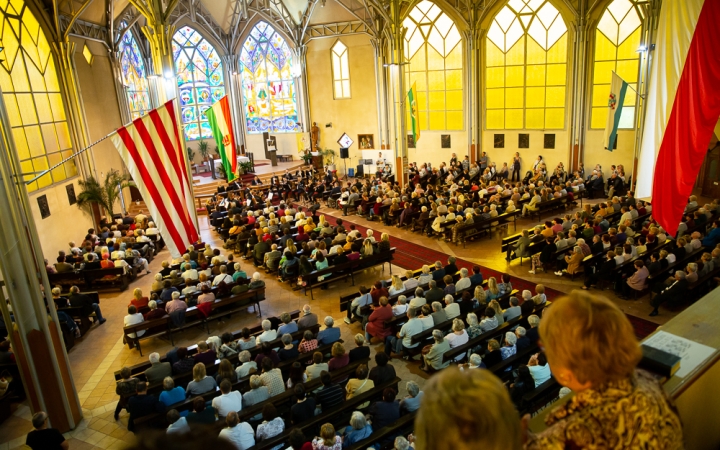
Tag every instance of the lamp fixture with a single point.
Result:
(641, 49)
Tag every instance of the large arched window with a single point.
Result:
(526, 67)
(267, 82)
(617, 39)
(132, 66)
(433, 48)
(200, 80)
(32, 96)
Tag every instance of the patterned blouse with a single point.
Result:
(629, 414)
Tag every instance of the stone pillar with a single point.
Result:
(379, 44)
(472, 90)
(301, 87)
(35, 335)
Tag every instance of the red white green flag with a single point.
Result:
(220, 122)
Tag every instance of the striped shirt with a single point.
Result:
(330, 396)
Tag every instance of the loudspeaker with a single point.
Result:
(360, 171)
(344, 153)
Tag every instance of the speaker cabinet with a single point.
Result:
(344, 154)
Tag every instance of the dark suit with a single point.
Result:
(434, 295)
(87, 305)
(674, 293)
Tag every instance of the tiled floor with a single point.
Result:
(100, 353)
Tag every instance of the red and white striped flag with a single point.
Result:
(153, 153)
(683, 106)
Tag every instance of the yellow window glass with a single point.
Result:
(617, 38)
(32, 95)
(340, 70)
(433, 49)
(528, 39)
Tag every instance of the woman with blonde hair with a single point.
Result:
(139, 301)
(384, 245)
(367, 249)
(493, 290)
(448, 418)
(635, 410)
(157, 285)
(479, 297)
(201, 383)
(397, 285)
(327, 439)
(498, 311)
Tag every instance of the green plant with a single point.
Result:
(190, 154)
(104, 195)
(246, 166)
(328, 155)
(204, 149)
(307, 157)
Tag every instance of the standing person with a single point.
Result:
(516, 167)
(44, 438)
(125, 388)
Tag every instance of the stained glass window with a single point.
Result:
(32, 96)
(617, 38)
(340, 70)
(267, 83)
(433, 48)
(200, 80)
(134, 76)
(526, 67)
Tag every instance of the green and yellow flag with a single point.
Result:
(414, 116)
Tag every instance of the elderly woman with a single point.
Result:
(572, 263)
(473, 326)
(635, 410)
(155, 312)
(358, 429)
(433, 355)
(411, 402)
(458, 336)
(425, 277)
(448, 417)
(157, 285)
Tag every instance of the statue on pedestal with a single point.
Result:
(315, 136)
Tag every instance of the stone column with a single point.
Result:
(301, 87)
(35, 335)
(473, 105)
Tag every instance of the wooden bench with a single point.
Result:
(193, 316)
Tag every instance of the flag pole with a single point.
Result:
(636, 92)
(46, 171)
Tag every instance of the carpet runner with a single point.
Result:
(409, 255)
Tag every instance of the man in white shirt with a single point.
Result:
(464, 282)
(268, 333)
(452, 309)
(189, 288)
(177, 424)
(356, 305)
(400, 308)
(189, 272)
(314, 370)
(239, 434)
(403, 340)
(419, 298)
(626, 215)
(229, 400)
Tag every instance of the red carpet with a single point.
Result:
(409, 255)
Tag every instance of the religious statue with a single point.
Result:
(315, 136)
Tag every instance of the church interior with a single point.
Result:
(367, 121)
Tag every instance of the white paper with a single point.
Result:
(692, 354)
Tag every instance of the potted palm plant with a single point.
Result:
(204, 150)
(190, 155)
(96, 196)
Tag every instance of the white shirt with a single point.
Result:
(190, 273)
(134, 319)
(427, 322)
(410, 283)
(399, 310)
(540, 373)
(463, 283)
(452, 310)
(241, 435)
(266, 336)
(181, 426)
(417, 302)
(457, 340)
(222, 277)
(226, 403)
